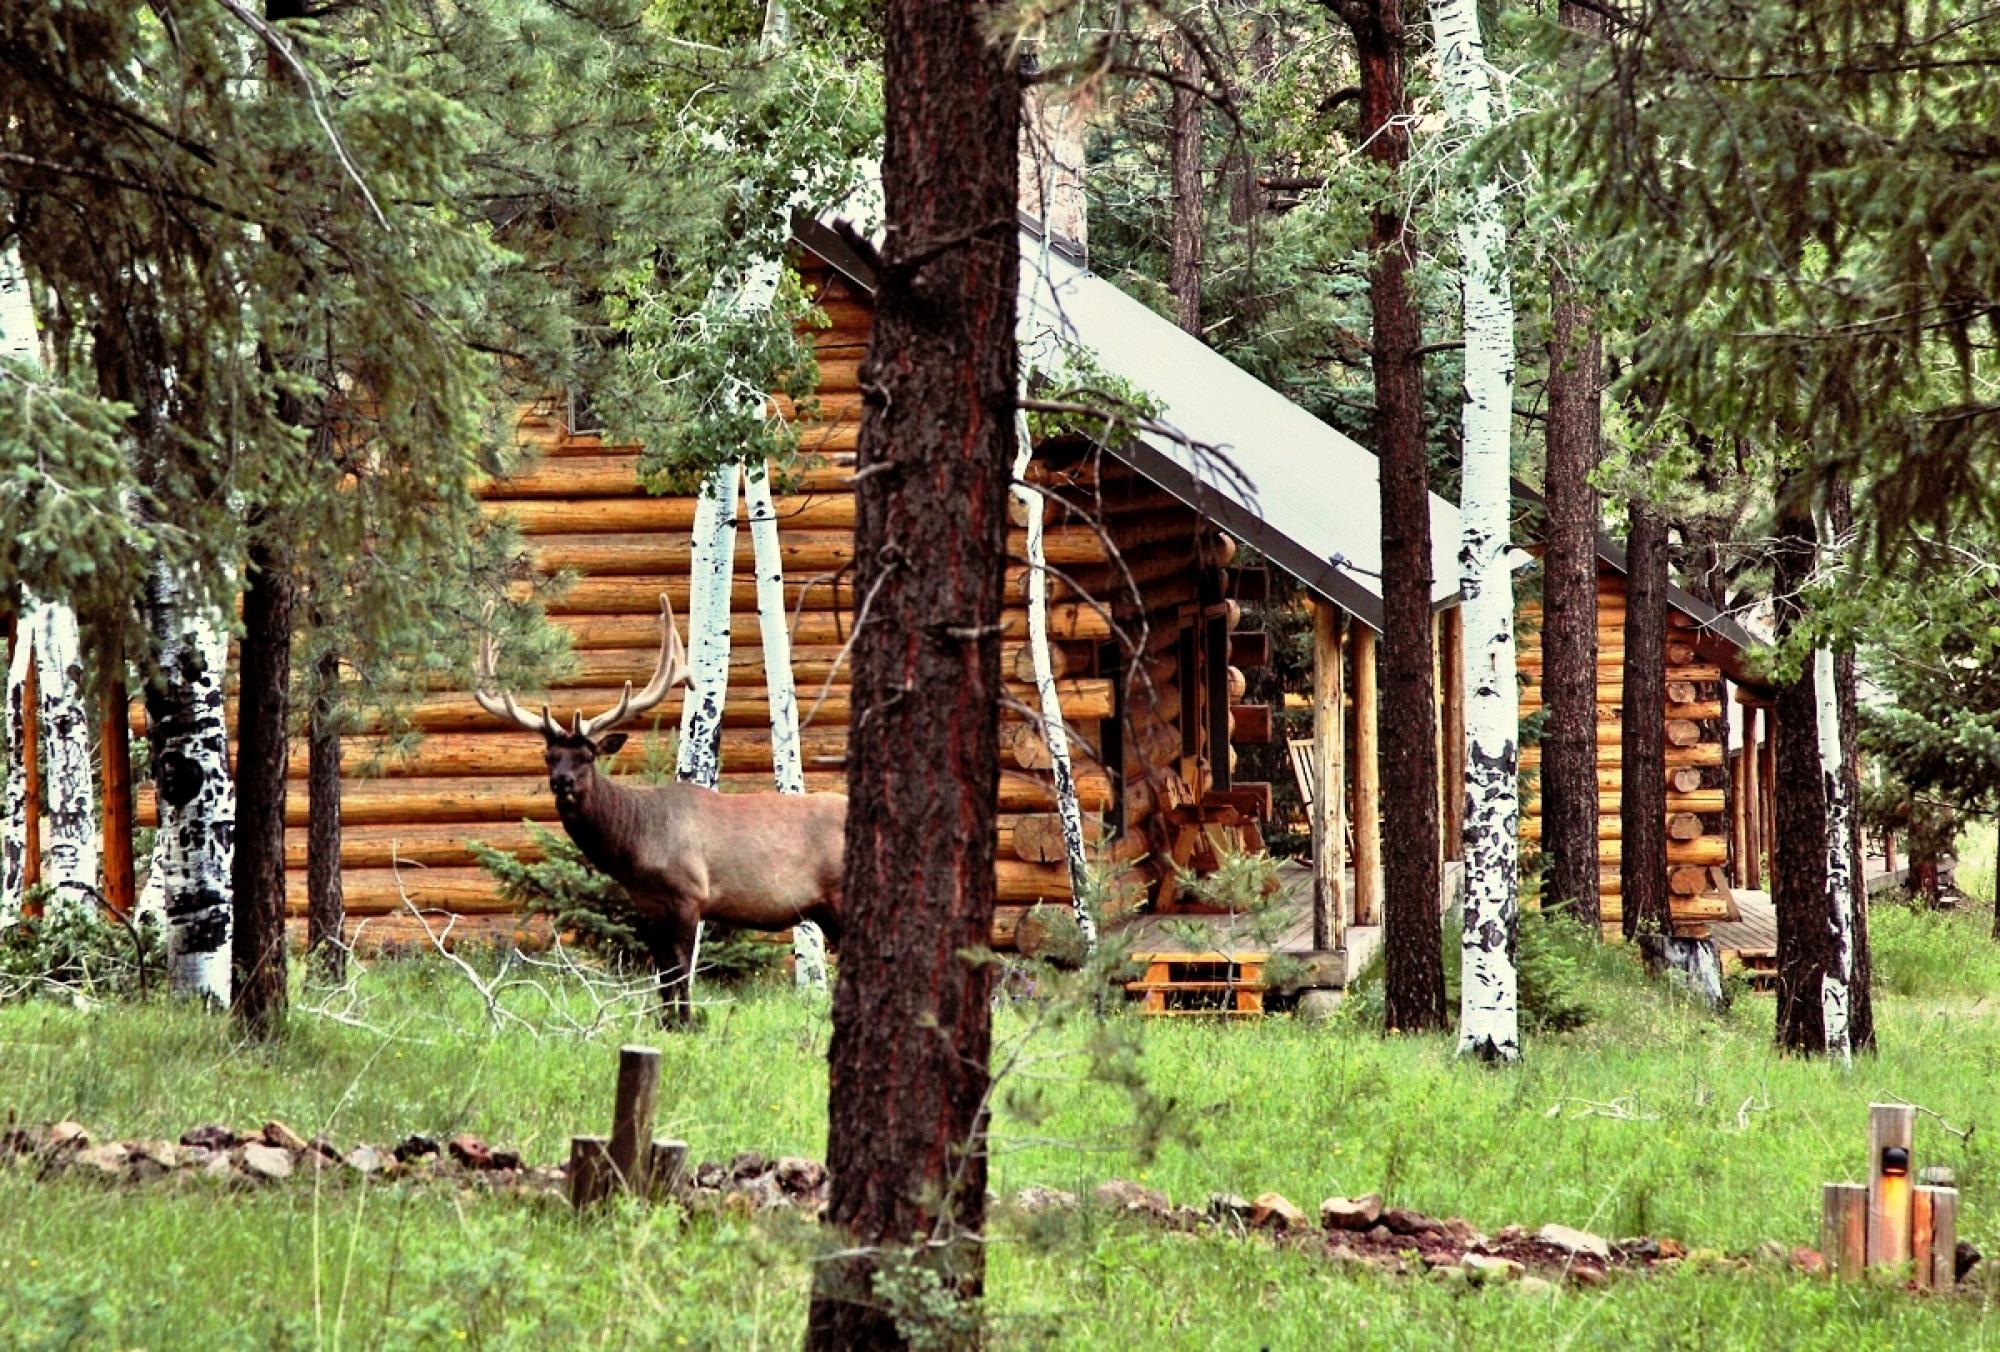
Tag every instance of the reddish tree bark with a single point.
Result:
(257, 872)
(1184, 154)
(1569, 586)
(1642, 802)
(1860, 995)
(911, 1022)
(1413, 962)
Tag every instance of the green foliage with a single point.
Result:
(1925, 954)
(79, 955)
(580, 901)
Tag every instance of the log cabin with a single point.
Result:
(1707, 657)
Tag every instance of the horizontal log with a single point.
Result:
(448, 844)
(1250, 724)
(472, 891)
(602, 516)
(813, 665)
(640, 595)
(1706, 753)
(613, 472)
(510, 752)
(1038, 836)
(1704, 800)
(1068, 620)
(1249, 648)
(478, 799)
(1082, 701)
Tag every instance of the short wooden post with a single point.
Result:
(667, 1169)
(1367, 783)
(1843, 1227)
(1892, 1130)
(1329, 795)
(1944, 1237)
(1920, 1233)
(632, 1116)
(590, 1170)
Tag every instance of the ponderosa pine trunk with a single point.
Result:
(1184, 155)
(1413, 959)
(257, 874)
(1809, 948)
(326, 901)
(912, 1014)
(1489, 980)
(1642, 801)
(1569, 587)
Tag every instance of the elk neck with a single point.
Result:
(605, 824)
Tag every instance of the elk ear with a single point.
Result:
(609, 746)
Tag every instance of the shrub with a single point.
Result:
(81, 953)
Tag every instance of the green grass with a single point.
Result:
(1656, 1118)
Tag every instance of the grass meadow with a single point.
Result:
(1653, 1118)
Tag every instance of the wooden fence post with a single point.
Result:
(1330, 794)
(667, 1169)
(632, 1116)
(121, 891)
(589, 1170)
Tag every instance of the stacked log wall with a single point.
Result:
(1697, 821)
(409, 810)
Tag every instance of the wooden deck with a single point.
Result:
(1757, 930)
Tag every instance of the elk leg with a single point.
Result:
(672, 945)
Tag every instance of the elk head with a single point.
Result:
(572, 754)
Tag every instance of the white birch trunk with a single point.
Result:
(1489, 1024)
(787, 762)
(712, 569)
(1054, 732)
(48, 629)
(71, 849)
(1840, 891)
(14, 845)
(187, 887)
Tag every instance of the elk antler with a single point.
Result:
(503, 705)
(671, 671)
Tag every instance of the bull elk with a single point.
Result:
(761, 861)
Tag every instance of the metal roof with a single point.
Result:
(1252, 461)
(1258, 465)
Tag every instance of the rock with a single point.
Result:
(1583, 1274)
(1036, 1199)
(278, 1134)
(1350, 1213)
(1451, 1274)
(1461, 1231)
(470, 1151)
(209, 1137)
(709, 1174)
(1317, 1006)
(1773, 1252)
(1639, 1250)
(799, 1176)
(507, 1159)
(65, 1136)
(1575, 1241)
(747, 1164)
(1121, 1194)
(219, 1167)
(761, 1191)
(1380, 1234)
(16, 1141)
(1965, 1258)
(252, 1137)
(1486, 1268)
(1511, 1234)
(164, 1154)
(1229, 1208)
(106, 1161)
(1187, 1219)
(1402, 1221)
(267, 1162)
(325, 1148)
(415, 1147)
(1531, 1285)
(1809, 1261)
(1275, 1211)
(1672, 1249)
(366, 1159)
